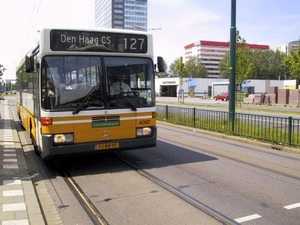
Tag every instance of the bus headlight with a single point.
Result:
(144, 131)
(63, 138)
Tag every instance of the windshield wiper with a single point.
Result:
(129, 103)
(121, 94)
(87, 97)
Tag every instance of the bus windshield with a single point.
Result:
(93, 82)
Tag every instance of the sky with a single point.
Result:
(181, 22)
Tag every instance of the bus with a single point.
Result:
(68, 100)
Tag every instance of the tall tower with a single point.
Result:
(122, 14)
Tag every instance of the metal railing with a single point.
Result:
(277, 130)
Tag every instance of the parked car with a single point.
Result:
(224, 96)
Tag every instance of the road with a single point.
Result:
(246, 183)
(237, 179)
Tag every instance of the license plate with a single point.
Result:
(107, 146)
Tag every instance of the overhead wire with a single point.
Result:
(34, 13)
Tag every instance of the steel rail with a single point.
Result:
(197, 204)
(88, 206)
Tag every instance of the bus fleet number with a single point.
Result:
(144, 122)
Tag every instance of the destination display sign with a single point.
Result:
(91, 41)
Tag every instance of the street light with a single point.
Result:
(158, 28)
(141, 28)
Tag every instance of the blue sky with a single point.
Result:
(182, 22)
(270, 22)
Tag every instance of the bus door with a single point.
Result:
(37, 107)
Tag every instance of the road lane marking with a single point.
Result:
(292, 206)
(10, 160)
(15, 222)
(13, 207)
(10, 166)
(11, 182)
(247, 218)
(9, 155)
(11, 193)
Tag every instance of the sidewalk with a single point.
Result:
(19, 204)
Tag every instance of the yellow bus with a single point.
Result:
(85, 91)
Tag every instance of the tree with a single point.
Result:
(224, 66)
(292, 62)
(194, 68)
(2, 70)
(173, 70)
(181, 71)
(268, 65)
(244, 63)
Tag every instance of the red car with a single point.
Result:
(224, 96)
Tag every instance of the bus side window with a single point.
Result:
(50, 87)
(52, 95)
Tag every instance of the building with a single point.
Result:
(212, 52)
(288, 47)
(121, 14)
(208, 87)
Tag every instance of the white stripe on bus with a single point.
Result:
(89, 120)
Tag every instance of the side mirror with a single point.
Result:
(160, 64)
(29, 64)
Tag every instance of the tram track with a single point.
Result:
(93, 213)
(197, 204)
(98, 218)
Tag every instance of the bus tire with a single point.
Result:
(35, 148)
(22, 126)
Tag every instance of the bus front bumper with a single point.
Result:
(52, 151)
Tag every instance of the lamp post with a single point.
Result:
(232, 64)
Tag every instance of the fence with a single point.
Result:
(277, 130)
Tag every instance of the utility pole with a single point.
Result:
(232, 64)
(181, 72)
